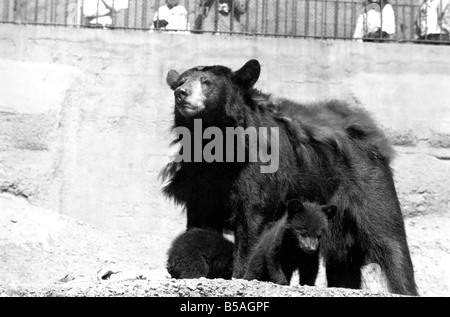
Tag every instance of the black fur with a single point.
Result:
(200, 253)
(290, 244)
(330, 153)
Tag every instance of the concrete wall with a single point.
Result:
(85, 114)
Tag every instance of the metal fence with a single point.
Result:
(334, 19)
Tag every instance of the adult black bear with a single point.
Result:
(291, 243)
(329, 152)
(200, 253)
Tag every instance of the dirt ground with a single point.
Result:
(184, 288)
(39, 248)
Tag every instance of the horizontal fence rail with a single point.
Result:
(329, 19)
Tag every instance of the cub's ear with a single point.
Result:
(330, 211)
(248, 75)
(294, 206)
(172, 79)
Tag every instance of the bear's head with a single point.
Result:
(207, 91)
(308, 222)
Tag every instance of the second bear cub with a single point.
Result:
(291, 243)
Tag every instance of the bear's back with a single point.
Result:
(335, 122)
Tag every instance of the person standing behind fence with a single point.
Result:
(172, 16)
(221, 18)
(433, 21)
(101, 13)
(373, 26)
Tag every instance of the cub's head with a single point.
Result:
(308, 222)
(206, 90)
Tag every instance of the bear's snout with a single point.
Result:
(309, 245)
(180, 94)
(189, 98)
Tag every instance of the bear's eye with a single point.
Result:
(181, 81)
(206, 81)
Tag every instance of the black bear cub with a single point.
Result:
(291, 243)
(200, 253)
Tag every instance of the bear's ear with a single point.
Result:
(294, 206)
(248, 75)
(172, 79)
(330, 211)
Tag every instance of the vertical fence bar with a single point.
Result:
(256, 6)
(336, 18)
(136, 14)
(294, 17)
(202, 13)
(404, 13)
(198, 14)
(324, 19)
(247, 15)
(98, 9)
(66, 12)
(45, 10)
(262, 15)
(80, 5)
(79, 13)
(52, 3)
(14, 13)
(188, 9)
(232, 17)
(277, 11)
(36, 7)
(381, 19)
(353, 18)
(353, 14)
(216, 16)
(306, 26)
(285, 16)
(320, 13)
(144, 14)
(158, 18)
(365, 28)
(55, 9)
(411, 2)
(394, 6)
(6, 11)
(113, 14)
(315, 17)
(265, 16)
(126, 18)
(345, 19)
(24, 10)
